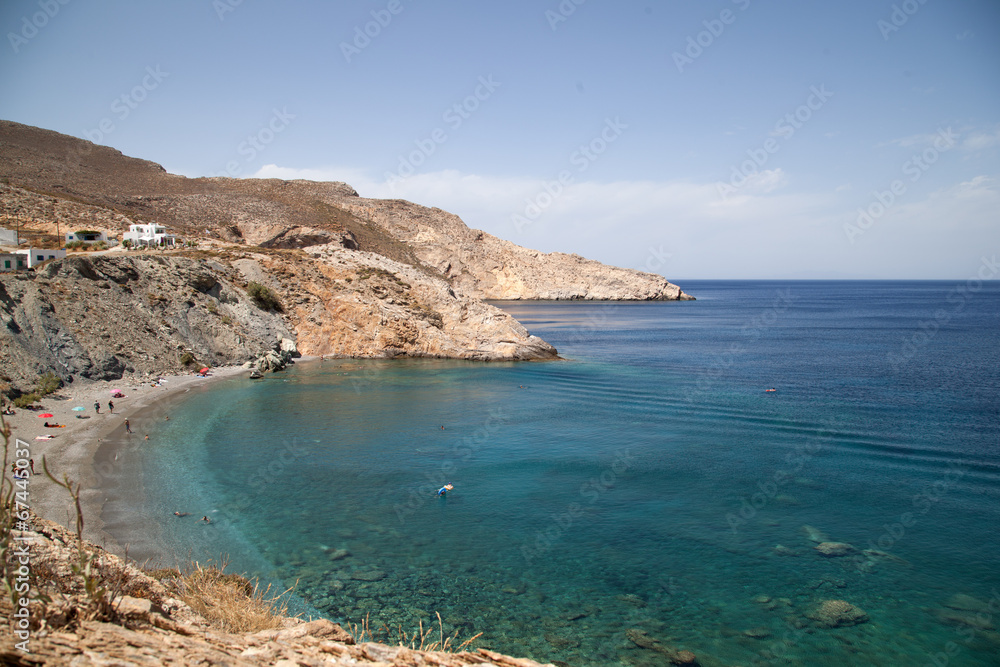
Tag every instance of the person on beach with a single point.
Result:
(128, 429)
(31, 464)
(111, 407)
(97, 407)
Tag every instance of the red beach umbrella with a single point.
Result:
(46, 415)
(204, 370)
(116, 391)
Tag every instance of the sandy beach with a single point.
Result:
(82, 450)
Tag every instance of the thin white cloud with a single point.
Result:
(761, 231)
(981, 140)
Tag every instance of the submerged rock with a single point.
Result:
(837, 614)
(835, 549)
(815, 534)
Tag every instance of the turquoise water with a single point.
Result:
(645, 483)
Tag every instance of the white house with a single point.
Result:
(8, 237)
(151, 234)
(12, 261)
(38, 255)
(87, 236)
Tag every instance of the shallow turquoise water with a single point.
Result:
(644, 483)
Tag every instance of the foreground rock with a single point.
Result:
(148, 627)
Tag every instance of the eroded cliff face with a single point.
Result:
(103, 316)
(486, 267)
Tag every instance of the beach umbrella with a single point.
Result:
(46, 415)
(116, 391)
(204, 370)
(79, 408)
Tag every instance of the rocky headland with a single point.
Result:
(345, 275)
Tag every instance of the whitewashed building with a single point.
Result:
(86, 236)
(38, 255)
(12, 261)
(147, 235)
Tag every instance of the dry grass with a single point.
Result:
(429, 639)
(228, 601)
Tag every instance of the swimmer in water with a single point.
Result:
(445, 489)
(206, 519)
(181, 513)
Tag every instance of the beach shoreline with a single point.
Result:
(85, 449)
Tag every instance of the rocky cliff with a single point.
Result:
(354, 276)
(103, 316)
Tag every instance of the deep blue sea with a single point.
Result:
(646, 484)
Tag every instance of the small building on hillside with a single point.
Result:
(148, 235)
(12, 261)
(86, 236)
(8, 237)
(38, 255)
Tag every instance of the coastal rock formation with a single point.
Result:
(102, 317)
(141, 624)
(43, 166)
(345, 275)
(481, 265)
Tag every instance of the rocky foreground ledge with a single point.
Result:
(142, 624)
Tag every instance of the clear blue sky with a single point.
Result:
(726, 139)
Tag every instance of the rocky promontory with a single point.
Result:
(259, 260)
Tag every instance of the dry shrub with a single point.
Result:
(228, 601)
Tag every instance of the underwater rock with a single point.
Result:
(562, 642)
(757, 633)
(835, 549)
(837, 614)
(815, 534)
(762, 599)
(979, 621)
(337, 554)
(632, 598)
(964, 602)
(368, 575)
(642, 639)
(782, 550)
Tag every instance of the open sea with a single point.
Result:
(646, 490)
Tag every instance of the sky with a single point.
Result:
(718, 139)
